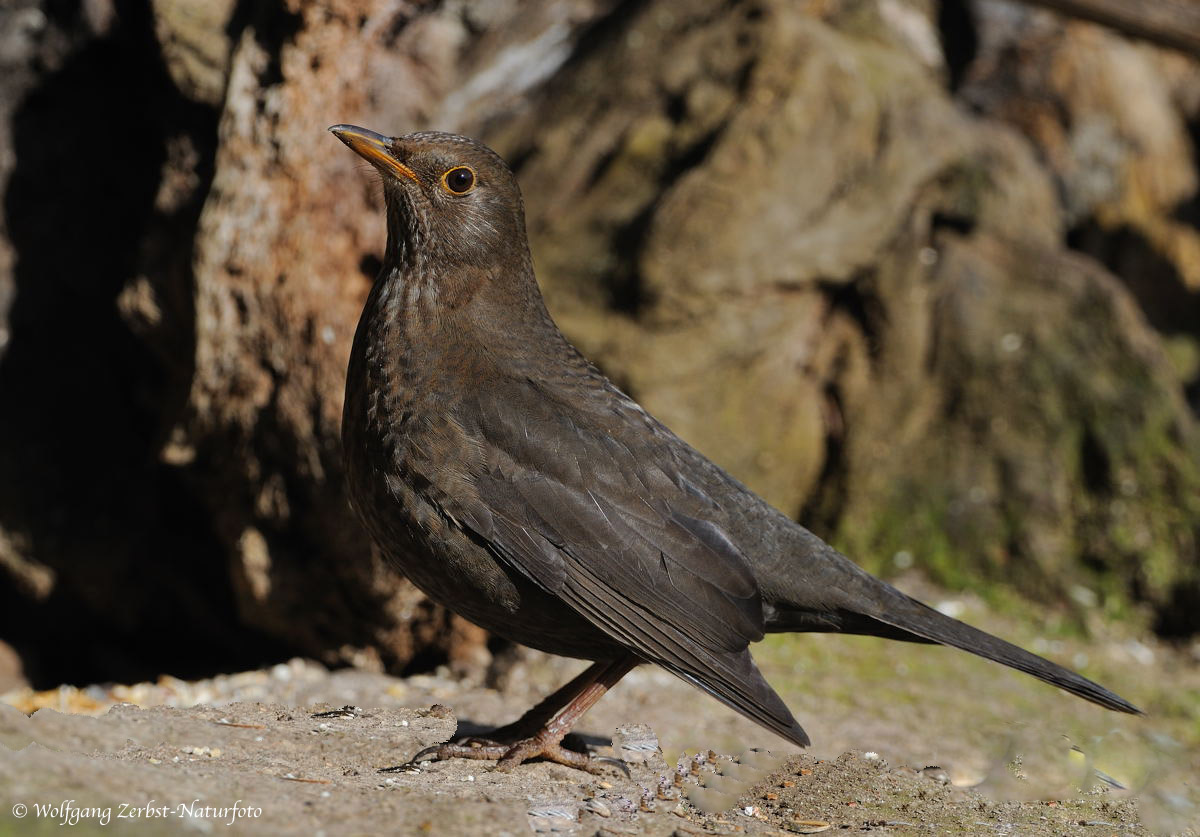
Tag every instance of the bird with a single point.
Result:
(517, 486)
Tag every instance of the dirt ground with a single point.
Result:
(908, 740)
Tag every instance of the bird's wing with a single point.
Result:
(593, 508)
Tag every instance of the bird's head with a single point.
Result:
(451, 201)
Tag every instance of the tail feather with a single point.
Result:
(924, 622)
(835, 595)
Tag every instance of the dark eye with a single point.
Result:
(459, 180)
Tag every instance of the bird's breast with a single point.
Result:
(408, 456)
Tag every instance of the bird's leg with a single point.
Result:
(546, 742)
(540, 731)
(540, 715)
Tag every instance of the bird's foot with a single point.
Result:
(540, 732)
(508, 753)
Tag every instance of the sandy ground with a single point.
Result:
(908, 740)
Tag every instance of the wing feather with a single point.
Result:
(594, 510)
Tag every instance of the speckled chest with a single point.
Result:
(406, 455)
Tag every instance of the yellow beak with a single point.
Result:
(374, 148)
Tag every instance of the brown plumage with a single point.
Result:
(517, 486)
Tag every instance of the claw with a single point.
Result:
(424, 754)
(414, 763)
(620, 764)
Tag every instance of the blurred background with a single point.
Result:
(925, 274)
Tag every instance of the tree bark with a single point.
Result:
(1171, 23)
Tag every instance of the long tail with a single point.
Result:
(912, 616)
(855, 602)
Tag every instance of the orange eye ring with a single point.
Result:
(459, 180)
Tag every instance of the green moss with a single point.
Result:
(912, 520)
(1183, 350)
(1086, 459)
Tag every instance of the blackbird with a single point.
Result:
(517, 486)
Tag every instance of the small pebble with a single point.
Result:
(598, 808)
(937, 774)
(635, 743)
